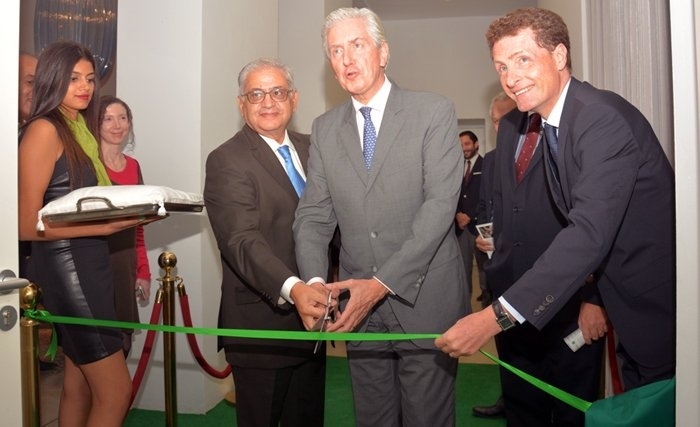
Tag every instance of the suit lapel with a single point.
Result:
(567, 117)
(302, 150)
(350, 142)
(515, 138)
(392, 122)
(268, 161)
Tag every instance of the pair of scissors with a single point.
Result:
(321, 323)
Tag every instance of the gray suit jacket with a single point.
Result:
(395, 220)
(250, 203)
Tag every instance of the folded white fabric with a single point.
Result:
(105, 198)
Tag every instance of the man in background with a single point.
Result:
(500, 105)
(466, 216)
(27, 69)
(252, 187)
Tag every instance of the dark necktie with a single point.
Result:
(528, 148)
(468, 173)
(550, 134)
(297, 181)
(369, 137)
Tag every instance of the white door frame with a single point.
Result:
(10, 392)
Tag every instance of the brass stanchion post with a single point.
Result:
(29, 344)
(167, 261)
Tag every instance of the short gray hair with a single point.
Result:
(261, 63)
(372, 22)
(500, 96)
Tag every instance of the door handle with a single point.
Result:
(9, 282)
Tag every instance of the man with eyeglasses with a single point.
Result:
(253, 183)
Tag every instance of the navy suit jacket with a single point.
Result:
(617, 193)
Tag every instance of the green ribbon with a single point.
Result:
(45, 316)
(568, 398)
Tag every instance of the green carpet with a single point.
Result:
(476, 385)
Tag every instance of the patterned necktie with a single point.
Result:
(294, 176)
(369, 137)
(528, 148)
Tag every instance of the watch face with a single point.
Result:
(505, 323)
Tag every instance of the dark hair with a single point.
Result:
(549, 28)
(470, 134)
(106, 101)
(51, 81)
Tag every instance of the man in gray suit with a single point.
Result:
(390, 182)
(252, 188)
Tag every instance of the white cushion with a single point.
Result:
(115, 197)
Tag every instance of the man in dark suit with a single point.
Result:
(465, 218)
(525, 221)
(610, 179)
(386, 168)
(252, 188)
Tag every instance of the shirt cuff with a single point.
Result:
(320, 280)
(285, 292)
(513, 312)
(384, 284)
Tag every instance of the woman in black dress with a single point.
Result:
(70, 262)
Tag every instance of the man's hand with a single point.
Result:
(469, 334)
(593, 322)
(462, 220)
(364, 294)
(484, 245)
(145, 290)
(310, 301)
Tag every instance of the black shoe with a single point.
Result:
(495, 410)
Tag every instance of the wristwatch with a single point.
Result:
(501, 316)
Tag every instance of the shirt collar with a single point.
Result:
(274, 145)
(555, 116)
(379, 100)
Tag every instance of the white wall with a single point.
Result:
(450, 57)
(178, 64)
(300, 48)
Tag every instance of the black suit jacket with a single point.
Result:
(469, 195)
(250, 202)
(617, 193)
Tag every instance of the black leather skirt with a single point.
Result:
(75, 279)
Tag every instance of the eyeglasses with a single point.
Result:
(276, 93)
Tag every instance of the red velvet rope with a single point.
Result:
(187, 319)
(148, 347)
(146, 353)
(612, 358)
